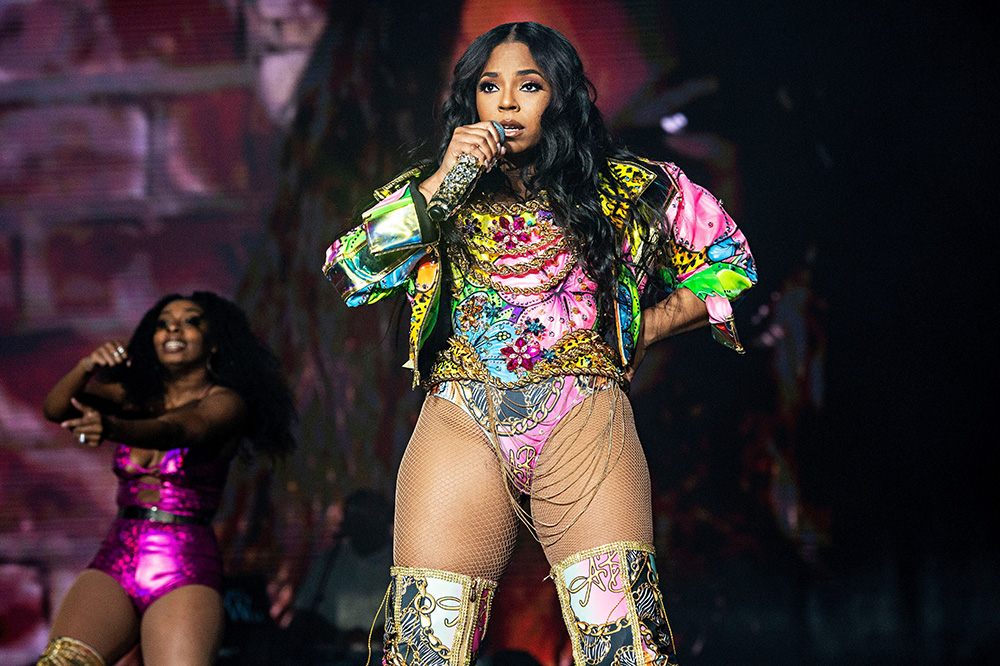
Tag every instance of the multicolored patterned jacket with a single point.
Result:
(396, 247)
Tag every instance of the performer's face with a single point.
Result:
(513, 92)
(180, 333)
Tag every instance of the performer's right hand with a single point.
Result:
(480, 140)
(109, 354)
(88, 428)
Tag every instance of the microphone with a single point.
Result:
(458, 183)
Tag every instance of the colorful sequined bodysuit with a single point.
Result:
(523, 308)
(150, 558)
(524, 351)
(523, 314)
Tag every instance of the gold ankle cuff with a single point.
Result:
(65, 651)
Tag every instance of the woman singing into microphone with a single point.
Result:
(532, 305)
(179, 400)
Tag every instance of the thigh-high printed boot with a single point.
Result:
(613, 608)
(65, 651)
(435, 618)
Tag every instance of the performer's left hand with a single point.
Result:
(639, 353)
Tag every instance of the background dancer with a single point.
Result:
(180, 399)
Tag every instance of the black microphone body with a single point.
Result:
(458, 183)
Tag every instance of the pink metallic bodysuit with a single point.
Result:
(150, 557)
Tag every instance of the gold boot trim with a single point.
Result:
(616, 547)
(472, 603)
(625, 580)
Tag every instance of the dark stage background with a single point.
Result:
(825, 498)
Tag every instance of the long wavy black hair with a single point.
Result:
(239, 362)
(571, 157)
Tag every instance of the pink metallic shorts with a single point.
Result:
(150, 558)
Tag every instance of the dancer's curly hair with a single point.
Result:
(239, 362)
(571, 157)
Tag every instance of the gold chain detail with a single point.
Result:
(580, 352)
(546, 230)
(488, 205)
(542, 287)
(547, 236)
(539, 260)
(483, 251)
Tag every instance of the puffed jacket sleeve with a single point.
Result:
(379, 257)
(707, 254)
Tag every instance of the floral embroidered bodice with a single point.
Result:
(523, 308)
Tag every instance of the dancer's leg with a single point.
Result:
(453, 510)
(97, 612)
(183, 628)
(454, 533)
(596, 529)
(591, 483)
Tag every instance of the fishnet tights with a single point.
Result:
(454, 511)
(591, 484)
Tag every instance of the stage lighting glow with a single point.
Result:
(673, 123)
